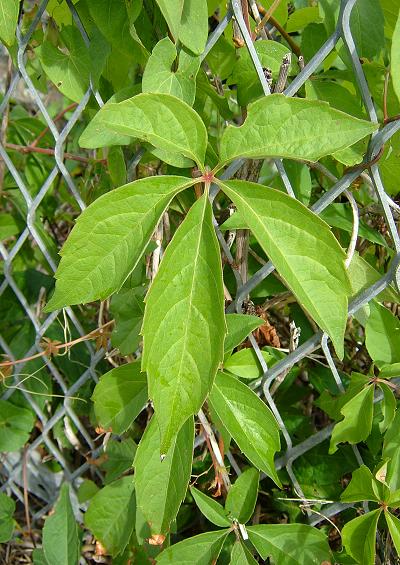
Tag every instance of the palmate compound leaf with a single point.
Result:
(184, 324)
(295, 128)
(160, 119)
(303, 249)
(109, 238)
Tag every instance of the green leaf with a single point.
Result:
(301, 18)
(369, 39)
(340, 216)
(8, 226)
(394, 529)
(290, 544)
(8, 20)
(184, 322)
(211, 509)
(127, 307)
(160, 119)
(357, 422)
(241, 555)
(15, 426)
(114, 21)
(116, 166)
(109, 238)
(362, 275)
(295, 128)
(382, 335)
(120, 455)
(161, 485)
(239, 326)
(111, 515)
(242, 496)
(172, 12)
(69, 69)
(303, 250)
(270, 54)
(198, 550)
(87, 489)
(390, 371)
(60, 533)
(95, 135)
(193, 30)
(7, 524)
(359, 537)
(248, 420)
(391, 452)
(245, 363)
(39, 557)
(388, 407)
(363, 486)
(119, 397)
(159, 75)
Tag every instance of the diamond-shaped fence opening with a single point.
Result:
(64, 376)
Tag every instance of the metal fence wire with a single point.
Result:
(26, 467)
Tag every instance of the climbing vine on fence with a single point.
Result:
(202, 216)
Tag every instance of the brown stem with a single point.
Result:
(47, 151)
(58, 117)
(267, 16)
(91, 335)
(293, 45)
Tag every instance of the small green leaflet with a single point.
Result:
(248, 420)
(290, 544)
(242, 496)
(394, 529)
(111, 515)
(198, 550)
(70, 72)
(7, 523)
(119, 397)
(184, 322)
(364, 486)
(60, 533)
(160, 119)
(120, 455)
(359, 535)
(382, 335)
(109, 238)
(161, 485)
(210, 508)
(127, 307)
(239, 326)
(244, 74)
(16, 424)
(158, 75)
(295, 128)
(188, 22)
(241, 555)
(303, 249)
(8, 20)
(357, 422)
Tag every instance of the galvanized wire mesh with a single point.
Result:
(39, 481)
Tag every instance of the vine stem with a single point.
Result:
(218, 456)
(56, 346)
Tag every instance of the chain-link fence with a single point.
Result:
(25, 470)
